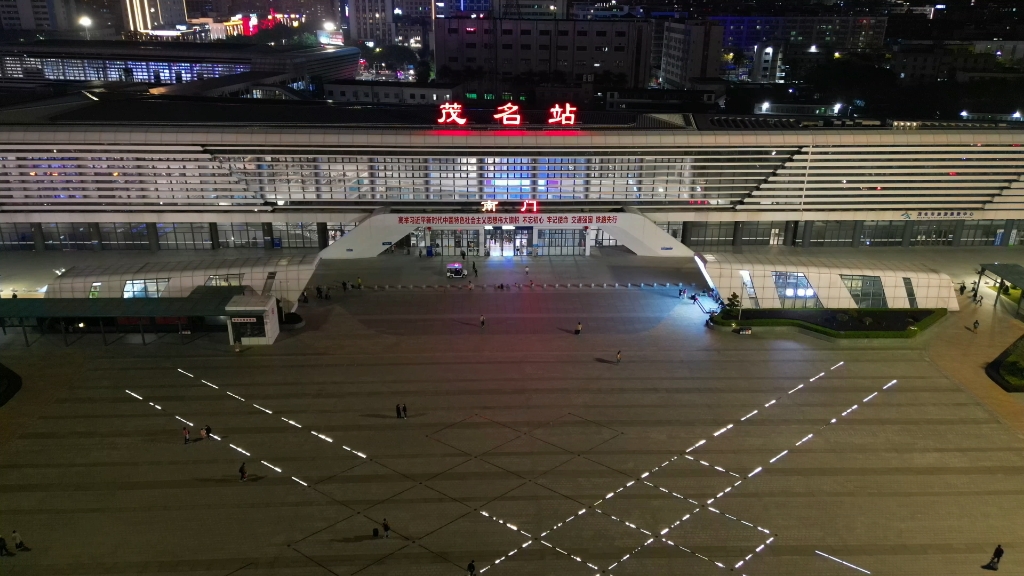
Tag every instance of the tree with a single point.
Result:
(393, 57)
(733, 301)
(422, 71)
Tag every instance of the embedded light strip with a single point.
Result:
(666, 463)
(214, 436)
(292, 422)
(185, 373)
(841, 562)
(538, 539)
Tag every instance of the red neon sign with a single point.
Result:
(509, 114)
(564, 116)
(529, 206)
(451, 113)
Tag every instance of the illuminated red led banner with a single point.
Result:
(508, 114)
(508, 220)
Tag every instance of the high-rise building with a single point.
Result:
(575, 51)
(37, 14)
(372, 20)
(691, 50)
(140, 15)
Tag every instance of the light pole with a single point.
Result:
(329, 26)
(85, 21)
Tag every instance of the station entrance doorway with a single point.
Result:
(509, 240)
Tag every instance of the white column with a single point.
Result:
(482, 244)
(590, 234)
(533, 241)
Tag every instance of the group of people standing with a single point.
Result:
(323, 292)
(401, 411)
(204, 433)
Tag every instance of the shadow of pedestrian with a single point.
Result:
(351, 539)
(568, 331)
(604, 361)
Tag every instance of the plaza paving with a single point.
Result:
(517, 435)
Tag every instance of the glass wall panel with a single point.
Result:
(866, 291)
(151, 288)
(184, 236)
(764, 233)
(124, 235)
(296, 234)
(559, 242)
(707, 234)
(240, 234)
(795, 291)
(983, 232)
(16, 236)
(883, 233)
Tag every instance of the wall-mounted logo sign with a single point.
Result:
(492, 206)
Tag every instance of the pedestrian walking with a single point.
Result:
(997, 555)
(682, 292)
(18, 543)
(976, 325)
(243, 474)
(202, 433)
(980, 299)
(471, 568)
(579, 328)
(344, 286)
(463, 253)
(304, 299)
(184, 432)
(387, 528)
(327, 293)
(963, 288)
(319, 292)
(398, 410)
(209, 431)
(482, 320)
(405, 412)
(3, 548)
(359, 282)
(527, 270)
(470, 284)
(474, 270)
(618, 357)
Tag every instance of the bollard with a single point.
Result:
(641, 284)
(616, 284)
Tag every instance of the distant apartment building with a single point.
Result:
(1005, 50)
(372, 20)
(690, 50)
(838, 33)
(375, 92)
(574, 50)
(923, 63)
(38, 14)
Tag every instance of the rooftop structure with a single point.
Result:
(165, 62)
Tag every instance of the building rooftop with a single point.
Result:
(164, 49)
(142, 110)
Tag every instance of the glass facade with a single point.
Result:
(240, 234)
(866, 291)
(707, 234)
(184, 236)
(827, 233)
(16, 236)
(66, 236)
(124, 236)
(557, 242)
(296, 234)
(983, 232)
(933, 233)
(795, 291)
(81, 68)
(882, 233)
(767, 233)
(145, 288)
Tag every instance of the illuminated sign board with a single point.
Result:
(564, 116)
(509, 115)
(510, 220)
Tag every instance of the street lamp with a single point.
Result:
(329, 26)
(85, 21)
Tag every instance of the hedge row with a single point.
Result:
(936, 315)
